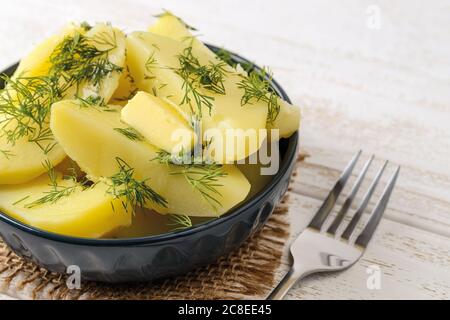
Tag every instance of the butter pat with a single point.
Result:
(159, 123)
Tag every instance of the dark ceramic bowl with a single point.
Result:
(153, 257)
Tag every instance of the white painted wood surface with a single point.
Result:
(384, 90)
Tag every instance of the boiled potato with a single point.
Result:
(168, 25)
(37, 62)
(98, 143)
(83, 213)
(97, 81)
(171, 26)
(153, 61)
(159, 122)
(287, 121)
(22, 161)
(26, 157)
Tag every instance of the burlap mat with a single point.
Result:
(247, 272)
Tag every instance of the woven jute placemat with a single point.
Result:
(245, 273)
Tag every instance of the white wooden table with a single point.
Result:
(381, 85)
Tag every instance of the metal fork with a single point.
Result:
(318, 251)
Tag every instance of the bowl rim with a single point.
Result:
(290, 155)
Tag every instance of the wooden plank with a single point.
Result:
(414, 263)
(415, 206)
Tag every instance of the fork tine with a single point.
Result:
(365, 236)
(348, 202)
(352, 225)
(329, 202)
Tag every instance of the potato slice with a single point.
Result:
(37, 62)
(153, 61)
(97, 143)
(22, 161)
(25, 160)
(111, 41)
(159, 122)
(86, 213)
(168, 25)
(287, 121)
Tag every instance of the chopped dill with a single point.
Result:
(136, 192)
(130, 133)
(91, 101)
(20, 200)
(227, 57)
(196, 77)
(151, 62)
(257, 88)
(210, 76)
(94, 102)
(76, 59)
(7, 153)
(149, 65)
(86, 26)
(25, 107)
(180, 221)
(202, 176)
(57, 191)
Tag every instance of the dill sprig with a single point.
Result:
(202, 176)
(57, 192)
(25, 105)
(151, 62)
(197, 77)
(257, 88)
(76, 59)
(7, 153)
(164, 157)
(149, 65)
(210, 77)
(86, 26)
(180, 221)
(136, 192)
(94, 102)
(227, 57)
(91, 101)
(130, 133)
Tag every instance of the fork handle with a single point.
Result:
(289, 280)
